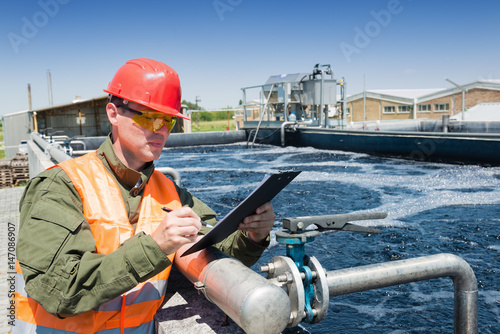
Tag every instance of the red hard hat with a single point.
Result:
(150, 83)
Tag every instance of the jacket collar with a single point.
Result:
(126, 176)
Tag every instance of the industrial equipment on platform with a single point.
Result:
(309, 97)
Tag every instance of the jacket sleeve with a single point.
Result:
(56, 251)
(238, 244)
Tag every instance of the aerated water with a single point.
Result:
(432, 208)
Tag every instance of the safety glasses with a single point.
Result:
(151, 120)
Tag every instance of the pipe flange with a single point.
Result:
(322, 293)
(285, 267)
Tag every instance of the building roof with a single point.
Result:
(74, 104)
(385, 95)
(16, 113)
(294, 77)
(484, 84)
(481, 112)
(411, 96)
(78, 102)
(491, 80)
(406, 93)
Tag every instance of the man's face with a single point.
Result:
(138, 139)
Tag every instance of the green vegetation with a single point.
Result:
(219, 115)
(204, 126)
(203, 121)
(212, 121)
(191, 105)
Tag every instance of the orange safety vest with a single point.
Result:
(104, 208)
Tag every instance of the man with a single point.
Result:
(95, 247)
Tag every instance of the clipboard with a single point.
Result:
(270, 186)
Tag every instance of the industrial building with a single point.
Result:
(399, 104)
(81, 118)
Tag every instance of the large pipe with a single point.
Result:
(381, 275)
(54, 151)
(256, 305)
(205, 138)
(283, 126)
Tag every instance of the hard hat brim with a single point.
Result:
(153, 106)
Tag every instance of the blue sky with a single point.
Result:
(220, 46)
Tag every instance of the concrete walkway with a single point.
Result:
(9, 218)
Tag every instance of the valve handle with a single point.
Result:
(333, 222)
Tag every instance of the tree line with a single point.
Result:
(206, 116)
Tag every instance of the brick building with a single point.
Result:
(387, 105)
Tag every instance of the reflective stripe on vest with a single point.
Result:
(104, 209)
(27, 328)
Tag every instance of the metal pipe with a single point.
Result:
(381, 275)
(446, 122)
(244, 105)
(29, 98)
(463, 96)
(344, 107)
(255, 304)
(81, 142)
(321, 107)
(463, 104)
(49, 84)
(285, 124)
(284, 87)
(55, 151)
(168, 171)
(30, 108)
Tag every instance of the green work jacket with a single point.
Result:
(51, 201)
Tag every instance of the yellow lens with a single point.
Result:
(154, 121)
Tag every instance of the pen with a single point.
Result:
(164, 208)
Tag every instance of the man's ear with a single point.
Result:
(112, 112)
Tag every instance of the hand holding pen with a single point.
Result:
(176, 229)
(202, 222)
